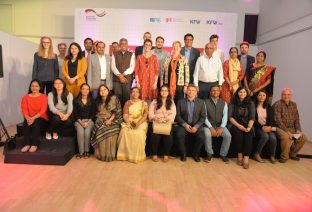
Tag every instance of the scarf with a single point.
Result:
(173, 75)
(234, 68)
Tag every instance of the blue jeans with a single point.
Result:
(83, 136)
(263, 139)
(226, 135)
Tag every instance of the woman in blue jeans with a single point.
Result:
(84, 113)
(264, 126)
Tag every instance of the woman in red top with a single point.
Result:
(146, 72)
(34, 109)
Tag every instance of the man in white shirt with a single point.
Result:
(208, 72)
(99, 69)
(123, 63)
(217, 52)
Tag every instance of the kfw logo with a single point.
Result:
(194, 21)
(155, 20)
(214, 22)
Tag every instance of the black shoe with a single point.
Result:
(196, 158)
(294, 158)
(224, 159)
(208, 158)
(282, 160)
(183, 158)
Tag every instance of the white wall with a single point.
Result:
(285, 32)
(18, 57)
(34, 18)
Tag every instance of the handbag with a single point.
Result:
(162, 128)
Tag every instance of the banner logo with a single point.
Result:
(194, 21)
(91, 11)
(153, 20)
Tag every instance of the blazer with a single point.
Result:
(94, 72)
(81, 70)
(84, 52)
(250, 60)
(199, 115)
(194, 55)
(269, 118)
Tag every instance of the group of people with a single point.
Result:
(199, 93)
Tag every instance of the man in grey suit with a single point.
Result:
(190, 53)
(191, 115)
(99, 69)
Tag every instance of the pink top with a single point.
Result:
(262, 115)
(161, 112)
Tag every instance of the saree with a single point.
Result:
(132, 141)
(104, 137)
(257, 76)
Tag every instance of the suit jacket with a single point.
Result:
(199, 115)
(250, 60)
(81, 70)
(194, 55)
(94, 72)
(84, 52)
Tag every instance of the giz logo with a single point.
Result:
(194, 21)
(211, 22)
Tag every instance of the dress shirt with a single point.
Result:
(208, 70)
(128, 71)
(102, 60)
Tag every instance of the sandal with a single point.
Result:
(78, 156)
(154, 158)
(25, 148)
(33, 149)
(55, 136)
(86, 155)
(166, 158)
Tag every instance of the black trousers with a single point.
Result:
(47, 86)
(198, 139)
(56, 123)
(122, 91)
(243, 140)
(32, 132)
(204, 89)
(167, 139)
(179, 94)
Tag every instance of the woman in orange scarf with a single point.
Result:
(233, 74)
(176, 73)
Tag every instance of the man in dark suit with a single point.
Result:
(190, 53)
(139, 49)
(245, 59)
(191, 115)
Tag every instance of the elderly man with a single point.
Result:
(208, 72)
(99, 69)
(289, 130)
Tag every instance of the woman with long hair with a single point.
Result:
(60, 103)
(107, 125)
(45, 67)
(84, 112)
(34, 110)
(132, 136)
(162, 110)
(242, 116)
(74, 68)
(264, 126)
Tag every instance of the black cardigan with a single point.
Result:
(269, 118)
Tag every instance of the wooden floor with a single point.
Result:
(92, 185)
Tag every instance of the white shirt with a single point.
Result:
(208, 70)
(128, 71)
(102, 60)
(219, 53)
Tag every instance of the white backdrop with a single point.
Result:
(172, 25)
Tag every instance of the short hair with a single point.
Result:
(176, 42)
(99, 42)
(114, 43)
(148, 41)
(263, 52)
(233, 48)
(214, 86)
(287, 89)
(214, 36)
(188, 35)
(60, 44)
(208, 44)
(159, 37)
(147, 33)
(244, 43)
(84, 41)
(123, 39)
(191, 85)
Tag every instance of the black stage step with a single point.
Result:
(53, 152)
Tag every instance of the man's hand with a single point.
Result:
(219, 131)
(188, 128)
(213, 132)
